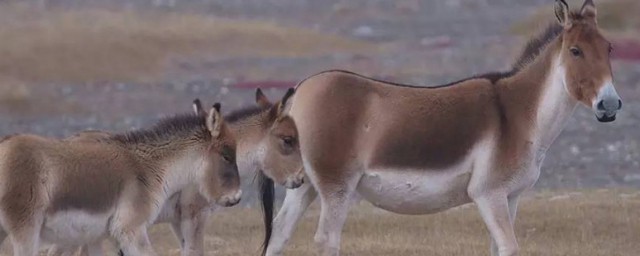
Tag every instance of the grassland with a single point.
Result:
(88, 45)
(585, 223)
(618, 18)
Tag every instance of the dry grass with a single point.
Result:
(590, 223)
(587, 223)
(616, 17)
(87, 45)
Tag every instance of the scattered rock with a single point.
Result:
(224, 90)
(363, 31)
(560, 197)
(632, 177)
(437, 42)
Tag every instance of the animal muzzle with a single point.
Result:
(607, 104)
(230, 200)
(295, 181)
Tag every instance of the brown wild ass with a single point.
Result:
(265, 140)
(421, 150)
(72, 193)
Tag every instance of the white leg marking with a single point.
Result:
(335, 201)
(296, 202)
(495, 211)
(513, 208)
(177, 231)
(193, 234)
(136, 242)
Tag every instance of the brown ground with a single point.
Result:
(586, 223)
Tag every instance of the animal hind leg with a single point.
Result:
(335, 199)
(296, 202)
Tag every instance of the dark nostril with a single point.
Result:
(609, 105)
(619, 104)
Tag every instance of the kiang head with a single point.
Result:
(585, 57)
(221, 181)
(277, 152)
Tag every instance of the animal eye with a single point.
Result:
(288, 141)
(575, 51)
(226, 158)
(227, 155)
(610, 49)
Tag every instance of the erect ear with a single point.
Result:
(197, 108)
(214, 121)
(282, 106)
(561, 9)
(262, 100)
(588, 9)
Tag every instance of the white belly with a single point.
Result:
(74, 227)
(416, 192)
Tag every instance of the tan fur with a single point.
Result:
(98, 174)
(187, 210)
(480, 140)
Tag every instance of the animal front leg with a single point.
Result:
(513, 208)
(135, 242)
(177, 231)
(495, 211)
(296, 202)
(192, 230)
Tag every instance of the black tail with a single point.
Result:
(267, 196)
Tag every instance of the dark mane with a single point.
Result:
(243, 113)
(536, 45)
(532, 49)
(167, 128)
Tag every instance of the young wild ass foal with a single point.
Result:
(419, 150)
(266, 141)
(73, 193)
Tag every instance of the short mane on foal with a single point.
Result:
(244, 113)
(166, 129)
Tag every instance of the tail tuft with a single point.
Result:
(267, 196)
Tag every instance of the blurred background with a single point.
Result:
(71, 65)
